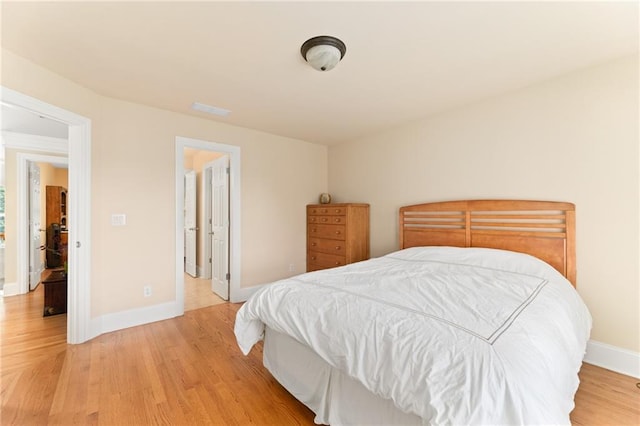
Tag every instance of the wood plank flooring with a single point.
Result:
(184, 371)
(198, 294)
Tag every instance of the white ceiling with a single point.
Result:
(404, 60)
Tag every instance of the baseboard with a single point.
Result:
(199, 271)
(244, 293)
(139, 316)
(613, 358)
(132, 317)
(11, 289)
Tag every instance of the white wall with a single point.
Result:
(574, 138)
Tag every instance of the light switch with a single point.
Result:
(118, 219)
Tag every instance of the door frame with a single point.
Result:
(79, 210)
(235, 292)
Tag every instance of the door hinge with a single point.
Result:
(209, 260)
(228, 170)
(228, 276)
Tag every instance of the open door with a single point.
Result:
(190, 222)
(36, 265)
(220, 227)
(207, 235)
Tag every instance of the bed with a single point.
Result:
(474, 320)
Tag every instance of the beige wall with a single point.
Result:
(573, 138)
(279, 177)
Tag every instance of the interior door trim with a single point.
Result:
(235, 292)
(79, 210)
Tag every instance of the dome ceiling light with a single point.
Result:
(323, 52)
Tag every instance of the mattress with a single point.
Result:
(448, 335)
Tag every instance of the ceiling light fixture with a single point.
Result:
(210, 109)
(323, 52)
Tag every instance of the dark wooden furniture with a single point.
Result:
(56, 206)
(56, 246)
(56, 223)
(337, 234)
(55, 293)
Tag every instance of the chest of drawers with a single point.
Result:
(337, 234)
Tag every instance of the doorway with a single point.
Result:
(198, 232)
(79, 211)
(183, 147)
(29, 186)
(47, 210)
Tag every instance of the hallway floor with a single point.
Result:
(198, 294)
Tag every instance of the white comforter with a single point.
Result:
(456, 336)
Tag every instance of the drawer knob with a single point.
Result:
(324, 219)
(313, 244)
(337, 232)
(337, 210)
(337, 247)
(337, 219)
(313, 258)
(337, 263)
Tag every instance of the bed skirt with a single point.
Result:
(334, 397)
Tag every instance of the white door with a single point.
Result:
(36, 265)
(220, 227)
(190, 222)
(207, 181)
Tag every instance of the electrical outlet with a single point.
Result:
(147, 290)
(292, 267)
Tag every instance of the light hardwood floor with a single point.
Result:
(198, 294)
(184, 371)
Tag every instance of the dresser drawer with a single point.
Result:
(328, 220)
(327, 246)
(324, 260)
(327, 211)
(337, 234)
(314, 267)
(334, 232)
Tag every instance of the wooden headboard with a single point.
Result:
(544, 229)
